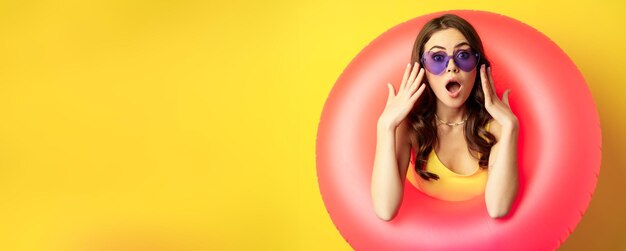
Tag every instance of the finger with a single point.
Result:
(392, 92)
(486, 87)
(413, 73)
(417, 94)
(493, 87)
(505, 97)
(411, 89)
(415, 84)
(420, 76)
(406, 76)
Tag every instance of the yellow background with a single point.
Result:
(191, 125)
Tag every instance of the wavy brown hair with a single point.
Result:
(422, 117)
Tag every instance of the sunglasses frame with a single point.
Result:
(447, 60)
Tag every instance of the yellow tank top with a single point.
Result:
(451, 186)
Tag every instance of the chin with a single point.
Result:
(453, 102)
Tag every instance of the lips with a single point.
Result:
(454, 88)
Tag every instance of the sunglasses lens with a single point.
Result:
(465, 59)
(435, 62)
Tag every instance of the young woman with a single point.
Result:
(461, 138)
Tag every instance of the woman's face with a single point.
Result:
(454, 85)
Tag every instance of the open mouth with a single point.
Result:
(453, 88)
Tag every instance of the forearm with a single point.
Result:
(502, 182)
(386, 187)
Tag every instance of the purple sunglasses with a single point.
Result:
(437, 62)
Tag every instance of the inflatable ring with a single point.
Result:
(559, 146)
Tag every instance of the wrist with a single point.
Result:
(511, 125)
(510, 131)
(384, 125)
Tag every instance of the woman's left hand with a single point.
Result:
(500, 110)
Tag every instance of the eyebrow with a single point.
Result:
(440, 47)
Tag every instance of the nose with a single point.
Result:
(452, 66)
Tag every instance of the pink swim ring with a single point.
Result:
(559, 146)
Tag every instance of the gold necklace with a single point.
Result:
(450, 124)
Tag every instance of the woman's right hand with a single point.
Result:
(399, 105)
